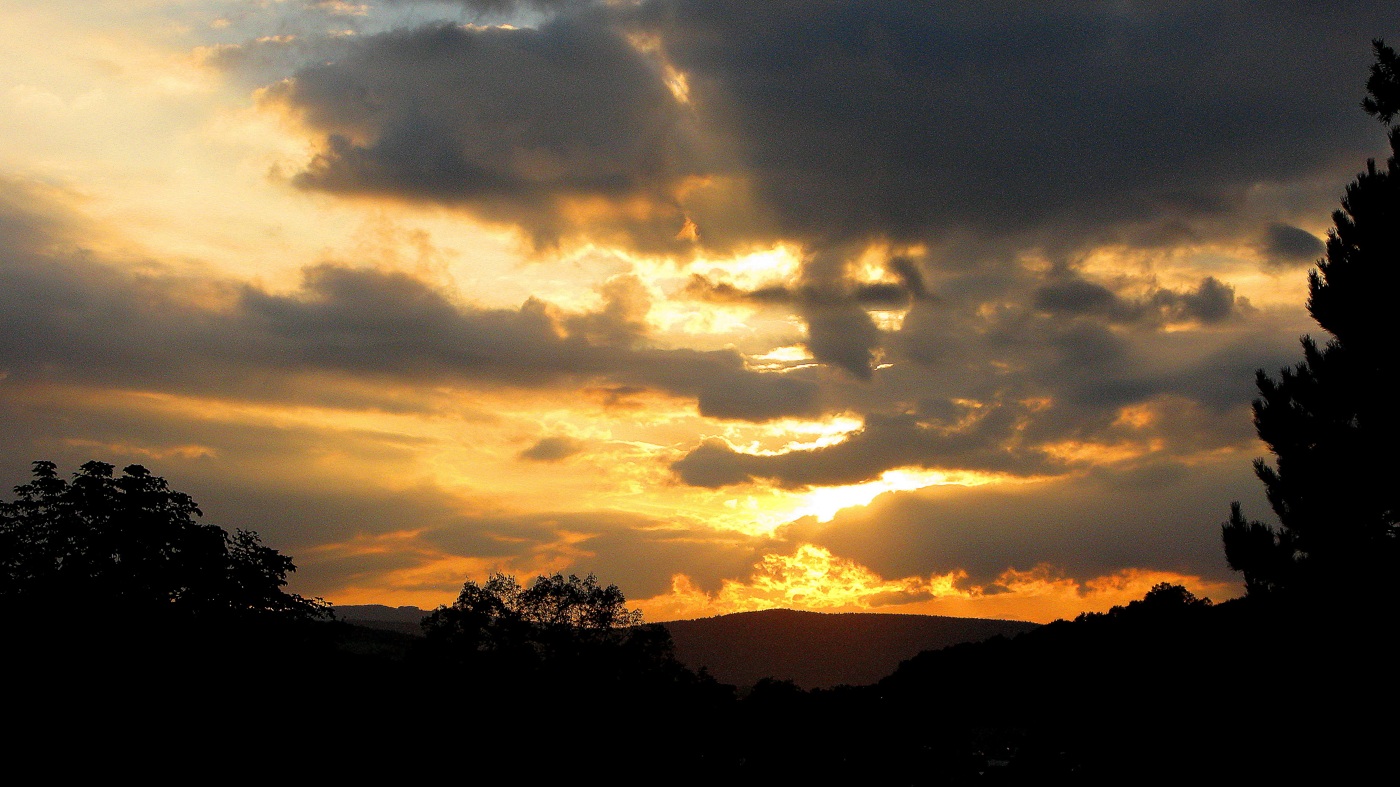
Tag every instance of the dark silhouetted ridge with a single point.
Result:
(406, 620)
(819, 650)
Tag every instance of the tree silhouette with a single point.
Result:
(565, 640)
(1384, 84)
(551, 616)
(129, 547)
(1331, 420)
(1163, 601)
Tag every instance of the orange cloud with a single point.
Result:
(813, 578)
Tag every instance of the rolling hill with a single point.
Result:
(812, 649)
(819, 650)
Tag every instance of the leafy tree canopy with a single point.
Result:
(129, 546)
(1331, 420)
(568, 636)
(1164, 600)
(501, 615)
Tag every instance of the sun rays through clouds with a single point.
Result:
(846, 306)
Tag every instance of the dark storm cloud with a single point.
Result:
(512, 123)
(1075, 296)
(1149, 517)
(1211, 302)
(725, 389)
(1086, 347)
(65, 317)
(393, 324)
(1017, 126)
(907, 270)
(895, 119)
(840, 329)
(1288, 246)
(61, 312)
(852, 120)
(842, 334)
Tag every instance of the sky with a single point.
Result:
(840, 305)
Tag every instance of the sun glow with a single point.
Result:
(813, 578)
(776, 264)
(825, 502)
(579, 306)
(791, 434)
(1075, 451)
(809, 578)
(889, 320)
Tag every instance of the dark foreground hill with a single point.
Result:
(1168, 689)
(819, 650)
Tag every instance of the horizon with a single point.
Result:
(891, 309)
(429, 610)
(723, 614)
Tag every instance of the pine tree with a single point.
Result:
(1331, 421)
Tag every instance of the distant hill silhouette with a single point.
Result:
(406, 620)
(820, 650)
(812, 649)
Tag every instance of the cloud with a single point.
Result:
(842, 334)
(67, 317)
(267, 59)
(1212, 301)
(552, 449)
(439, 543)
(1039, 129)
(649, 556)
(1154, 516)
(866, 120)
(638, 552)
(556, 129)
(1025, 235)
(883, 443)
(344, 503)
(504, 7)
(33, 218)
(725, 389)
(1286, 246)
(1023, 374)
(835, 310)
(1075, 296)
(891, 119)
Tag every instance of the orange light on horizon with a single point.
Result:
(813, 579)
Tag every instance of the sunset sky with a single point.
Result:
(861, 305)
